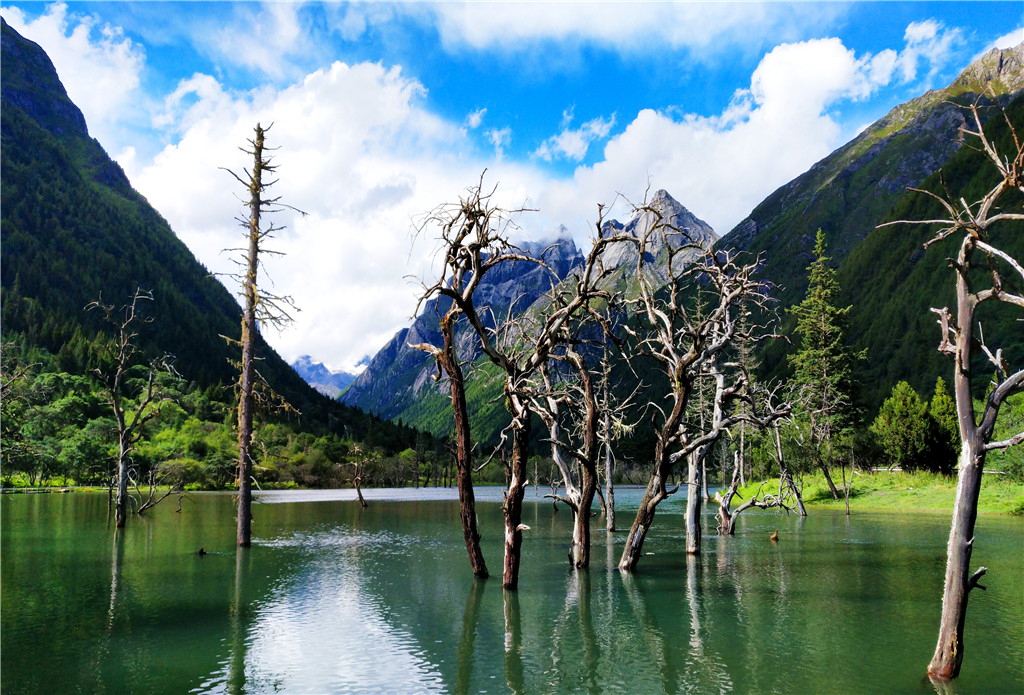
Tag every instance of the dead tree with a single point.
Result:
(474, 236)
(259, 308)
(732, 393)
(976, 260)
(122, 351)
(684, 347)
(761, 500)
(473, 241)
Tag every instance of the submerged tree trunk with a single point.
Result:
(694, 501)
(121, 501)
(949, 652)
(653, 495)
(245, 398)
(513, 506)
(463, 452)
(609, 486)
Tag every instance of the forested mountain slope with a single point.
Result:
(847, 195)
(74, 230)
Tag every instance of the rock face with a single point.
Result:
(321, 378)
(684, 228)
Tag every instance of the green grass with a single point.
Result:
(904, 491)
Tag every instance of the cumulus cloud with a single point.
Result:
(722, 166)
(361, 155)
(1011, 40)
(98, 65)
(927, 42)
(574, 143)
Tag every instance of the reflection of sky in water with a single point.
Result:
(323, 633)
(335, 598)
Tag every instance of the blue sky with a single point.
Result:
(385, 110)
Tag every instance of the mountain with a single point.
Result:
(73, 231)
(327, 382)
(398, 376)
(859, 186)
(399, 382)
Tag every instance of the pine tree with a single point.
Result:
(823, 365)
(904, 428)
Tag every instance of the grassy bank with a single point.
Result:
(905, 491)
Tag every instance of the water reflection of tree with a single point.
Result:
(513, 643)
(464, 655)
(236, 662)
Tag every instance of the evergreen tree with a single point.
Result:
(823, 367)
(904, 428)
(946, 435)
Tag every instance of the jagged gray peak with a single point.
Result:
(673, 214)
(330, 383)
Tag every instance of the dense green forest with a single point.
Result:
(75, 232)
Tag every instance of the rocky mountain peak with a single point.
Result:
(1000, 69)
(673, 214)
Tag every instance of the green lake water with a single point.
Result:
(335, 599)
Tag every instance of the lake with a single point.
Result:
(332, 598)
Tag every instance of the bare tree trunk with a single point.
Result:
(513, 506)
(694, 501)
(743, 452)
(463, 449)
(245, 399)
(357, 482)
(121, 502)
(581, 529)
(949, 652)
(633, 550)
(782, 471)
(609, 470)
(828, 479)
(704, 479)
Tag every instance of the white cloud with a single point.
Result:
(929, 42)
(358, 153)
(573, 144)
(98, 66)
(262, 39)
(623, 26)
(474, 119)
(720, 167)
(500, 138)
(1011, 40)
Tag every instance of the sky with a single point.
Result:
(383, 111)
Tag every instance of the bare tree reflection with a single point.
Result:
(470, 621)
(236, 665)
(513, 643)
